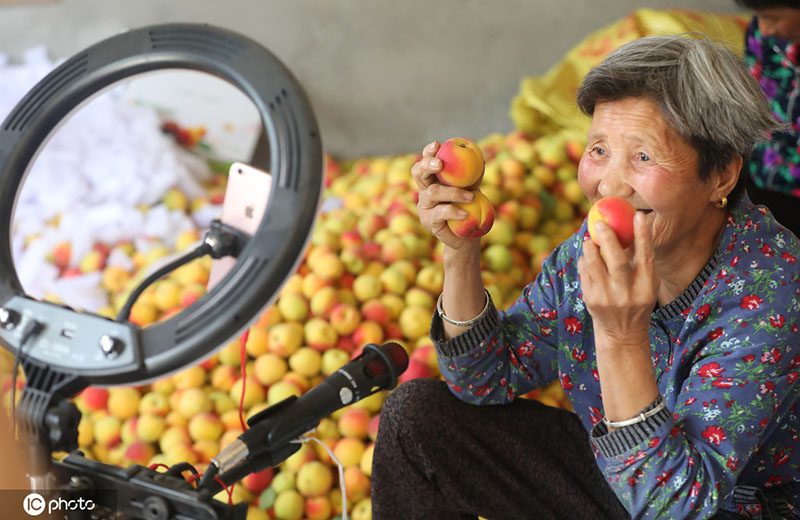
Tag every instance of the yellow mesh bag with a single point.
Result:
(546, 104)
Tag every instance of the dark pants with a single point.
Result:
(439, 458)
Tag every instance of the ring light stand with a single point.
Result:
(64, 351)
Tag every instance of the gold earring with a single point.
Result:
(721, 203)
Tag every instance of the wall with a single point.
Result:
(384, 76)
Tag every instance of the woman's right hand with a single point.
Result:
(435, 206)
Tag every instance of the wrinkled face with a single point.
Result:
(632, 153)
(783, 22)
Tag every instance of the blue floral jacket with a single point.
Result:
(726, 354)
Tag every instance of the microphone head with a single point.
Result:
(397, 354)
(389, 357)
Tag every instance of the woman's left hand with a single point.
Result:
(620, 289)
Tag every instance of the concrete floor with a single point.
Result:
(384, 77)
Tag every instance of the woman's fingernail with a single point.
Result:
(433, 163)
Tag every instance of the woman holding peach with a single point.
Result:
(679, 353)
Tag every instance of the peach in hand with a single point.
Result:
(618, 214)
(462, 163)
(479, 219)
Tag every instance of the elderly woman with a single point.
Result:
(679, 355)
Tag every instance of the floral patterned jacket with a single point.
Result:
(726, 354)
(775, 164)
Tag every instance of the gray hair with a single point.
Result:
(704, 91)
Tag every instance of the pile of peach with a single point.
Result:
(371, 274)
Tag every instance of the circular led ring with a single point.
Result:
(271, 256)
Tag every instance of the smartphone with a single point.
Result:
(246, 197)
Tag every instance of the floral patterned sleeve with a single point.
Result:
(733, 408)
(775, 164)
(508, 354)
(726, 355)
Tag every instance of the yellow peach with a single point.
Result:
(253, 391)
(193, 401)
(366, 459)
(143, 313)
(349, 451)
(333, 360)
(229, 436)
(285, 338)
(114, 278)
(356, 482)
(318, 508)
(149, 427)
(306, 361)
(223, 376)
(362, 510)
(205, 427)
(314, 478)
(123, 402)
(257, 342)
(269, 368)
(293, 306)
(368, 332)
(344, 318)
(206, 450)
(353, 423)
(222, 401)
(192, 377)
(324, 301)
(168, 294)
(367, 286)
(479, 219)
(319, 334)
(107, 431)
(415, 321)
(288, 505)
(280, 391)
(173, 435)
(85, 432)
(462, 162)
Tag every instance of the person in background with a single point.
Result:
(680, 355)
(771, 49)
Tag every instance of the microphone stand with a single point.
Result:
(270, 454)
(278, 429)
(48, 420)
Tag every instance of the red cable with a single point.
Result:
(157, 465)
(243, 357)
(192, 478)
(230, 491)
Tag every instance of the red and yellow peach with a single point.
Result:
(479, 219)
(462, 163)
(618, 214)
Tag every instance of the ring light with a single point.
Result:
(105, 352)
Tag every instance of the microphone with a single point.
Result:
(376, 368)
